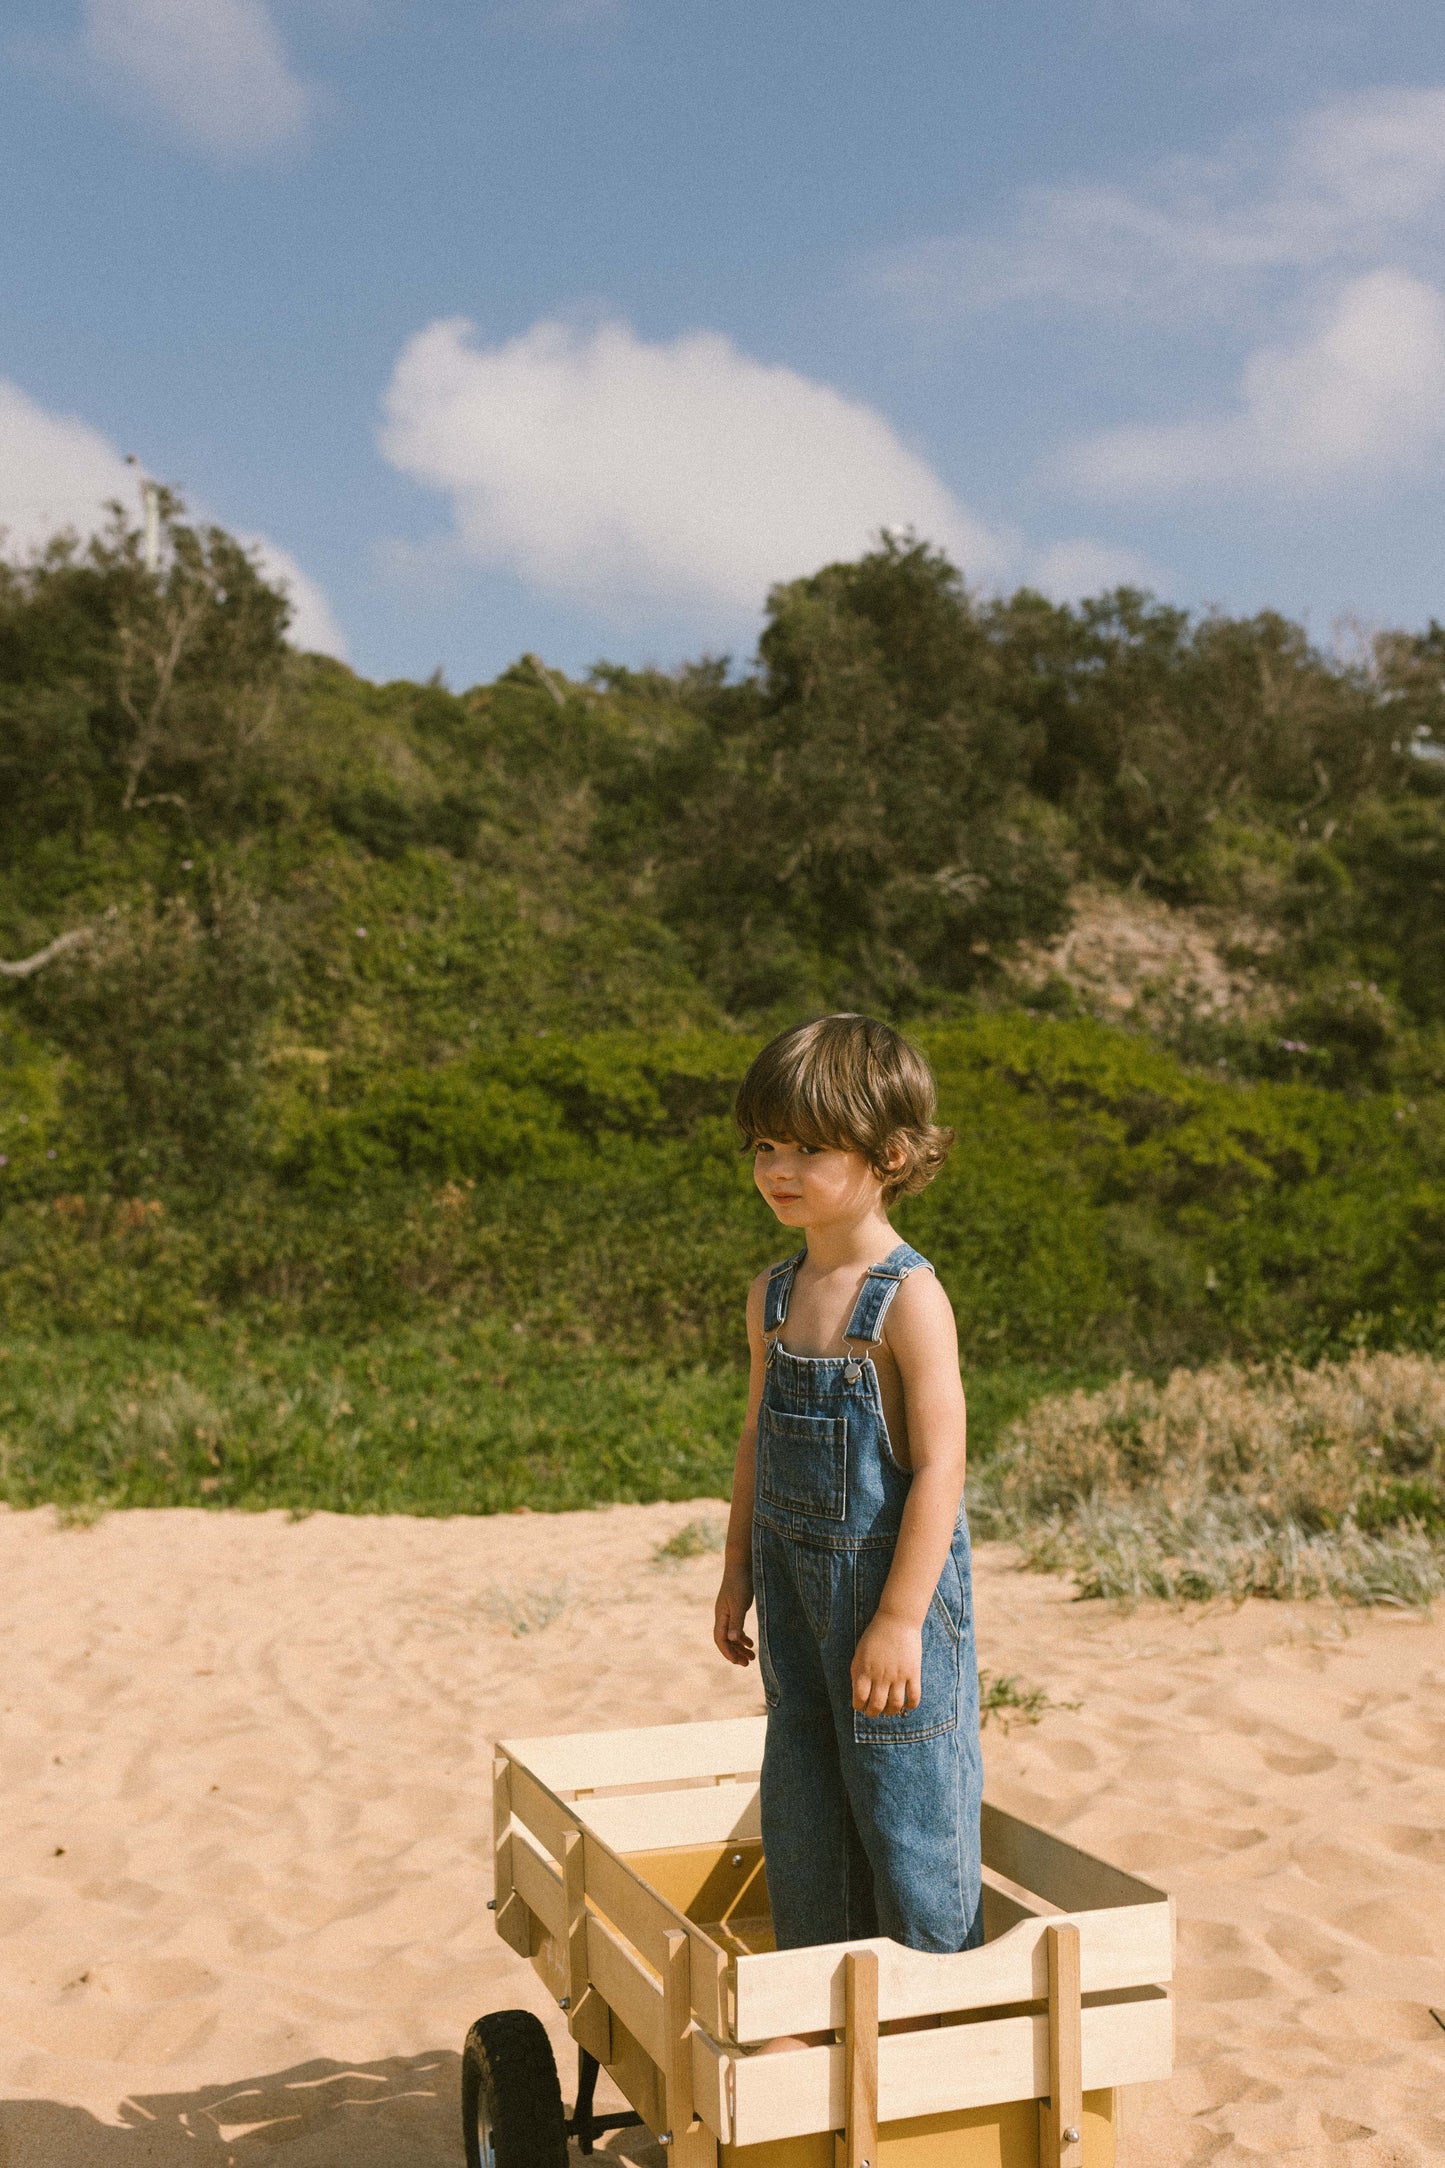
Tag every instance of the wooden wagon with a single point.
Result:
(629, 1870)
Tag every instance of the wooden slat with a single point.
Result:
(636, 2076)
(860, 2057)
(797, 1991)
(711, 2002)
(1001, 1911)
(1062, 2125)
(549, 1821)
(647, 1920)
(654, 1821)
(501, 1825)
(710, 2067)
(539, 1885)
(627, 1987)
(1073, 1880)
(981, 2064)
(534, 1806)
(676, 2027)
(590, 2024)
(574, 1890)
(1027, 1903)
(634, 1910)
(652, 1754)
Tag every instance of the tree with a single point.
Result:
(123, 689)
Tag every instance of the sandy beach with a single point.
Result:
(244, 1825)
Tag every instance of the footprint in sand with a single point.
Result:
(1426, 1844)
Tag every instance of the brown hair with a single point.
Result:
(855, 1084)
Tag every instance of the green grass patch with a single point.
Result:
(429, 1422)
(415, 1423)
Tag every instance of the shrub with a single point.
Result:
(1234, 1481)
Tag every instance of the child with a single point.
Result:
(847, 1522)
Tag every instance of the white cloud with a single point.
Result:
(313, 626)
(1364, 394)
(214, 71)
(599, 467)
(56, 472)
(1351, 180)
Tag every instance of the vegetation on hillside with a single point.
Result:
(348, 1024)
(1271, 1481)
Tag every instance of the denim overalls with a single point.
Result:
(870, 1823)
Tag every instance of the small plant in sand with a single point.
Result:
(529, 1610)
(1234, 1481)
(1013, 1701)
(695, 1539)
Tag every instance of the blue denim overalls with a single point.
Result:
(870, 1823)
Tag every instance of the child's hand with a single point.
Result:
(888, 1667)
(734, 1601)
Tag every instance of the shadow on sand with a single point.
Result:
(403, 2113)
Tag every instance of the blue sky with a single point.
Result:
(571, 324)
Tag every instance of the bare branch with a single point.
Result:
(27, 966)
(540, 670)
(181, 622)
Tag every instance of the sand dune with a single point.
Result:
(244, 1802)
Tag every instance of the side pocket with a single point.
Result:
(949, 1601)
(938, 1708)
(760, 1607)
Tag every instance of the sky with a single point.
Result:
(573, 325)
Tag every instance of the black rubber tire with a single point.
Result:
(510, 2089)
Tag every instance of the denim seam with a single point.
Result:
(898, 1739)
(815, 1540)
(936, 1603)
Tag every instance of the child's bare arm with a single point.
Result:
(923, 1339)
(736, 1594)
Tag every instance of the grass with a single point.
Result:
(1234, 1481)
(426, 1420)
(1013, 1701)
(695, 1539)
(422, 1423)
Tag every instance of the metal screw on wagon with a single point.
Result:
(736, 1860)
(564, 2002)
(491, 1904)
(1069, 2135)
(664, 2137)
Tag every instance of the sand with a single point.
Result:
(244, 1805)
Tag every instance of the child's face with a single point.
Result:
(812, 1185)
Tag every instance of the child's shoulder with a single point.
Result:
(921, 1298)
(762, 1281)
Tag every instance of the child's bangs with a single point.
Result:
(793, 1107)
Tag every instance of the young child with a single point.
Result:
(847, 1525)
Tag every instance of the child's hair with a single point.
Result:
(849, 1082)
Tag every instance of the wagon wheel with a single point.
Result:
(511, 2101)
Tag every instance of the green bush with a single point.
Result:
(1104, 1204)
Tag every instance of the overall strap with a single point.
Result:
(881, 1285)
(780, 1288)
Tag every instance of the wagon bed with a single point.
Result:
(629, 1870)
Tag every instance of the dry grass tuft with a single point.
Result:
(695, 1539)
(1235, 1481)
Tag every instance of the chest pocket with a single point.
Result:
(803, 1462)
